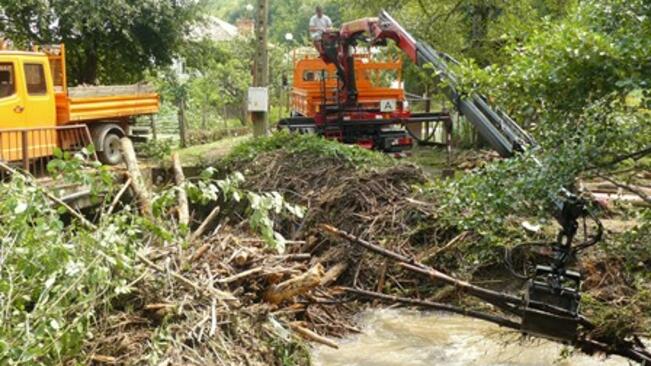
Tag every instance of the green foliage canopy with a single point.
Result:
(109, 41)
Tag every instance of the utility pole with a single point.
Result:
(261, 66)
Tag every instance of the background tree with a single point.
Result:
(108, 41)
(221, 75)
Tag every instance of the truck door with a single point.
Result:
(12, 109)
(40, 106)
(11, 103)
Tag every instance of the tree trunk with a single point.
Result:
(182, 124)
(89, 68)
(204, 117)
(138, 182)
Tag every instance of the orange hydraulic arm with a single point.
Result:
(337, 47)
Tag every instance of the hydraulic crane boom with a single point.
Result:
(552, 285)
(497, 128)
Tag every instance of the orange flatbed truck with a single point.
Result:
(39, 113)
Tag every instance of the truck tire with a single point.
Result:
(110, 154)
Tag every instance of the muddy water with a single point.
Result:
(406, 338)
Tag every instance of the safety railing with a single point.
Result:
(31, 149)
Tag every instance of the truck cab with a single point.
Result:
(26, 91)
(27, 101)
(38, 112)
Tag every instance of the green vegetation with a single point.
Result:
(107, 41)
(297, 144)
(576, 74)
(59, 276)
(54, 277)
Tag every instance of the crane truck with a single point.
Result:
(39, 113)
(552, 299)
(376, 118)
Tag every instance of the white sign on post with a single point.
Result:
(388, 105)
(258, 99)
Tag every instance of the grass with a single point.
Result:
(433, 160)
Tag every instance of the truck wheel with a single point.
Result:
(110, 154)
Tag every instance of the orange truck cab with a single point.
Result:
(378, 83)
(39, 113)
(373, 122)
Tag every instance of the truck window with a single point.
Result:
(35, 76)
(7, 85)
(311, 75)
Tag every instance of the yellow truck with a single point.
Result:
(38, 112)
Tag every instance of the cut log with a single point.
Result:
(181, 194)
(311, 336)
(334, 273)
(295, 286)
(138, 182)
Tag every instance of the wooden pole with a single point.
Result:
(261, 66)
(182, 124)
(152, 125)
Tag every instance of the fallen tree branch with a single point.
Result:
(629, 188)
(504, 322)
(635, 156)
(118, 196)
(312, 336)
(496, 298)
(295, 286)
(181, 194)
(202, 290)
(138, 182)
(199, 253)
(241, 275)
(504, 301)
(52, 197)
(334, 273)
(427, 255)
(204, 225)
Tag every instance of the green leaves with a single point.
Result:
(261, 208)
(110, 41)
(52, 277)
(296, 143)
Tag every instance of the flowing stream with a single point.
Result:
(409, 338)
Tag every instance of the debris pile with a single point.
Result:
(210, 289)
(228, 299)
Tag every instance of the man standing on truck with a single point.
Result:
(319, 23)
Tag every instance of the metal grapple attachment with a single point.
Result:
(552, 304)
